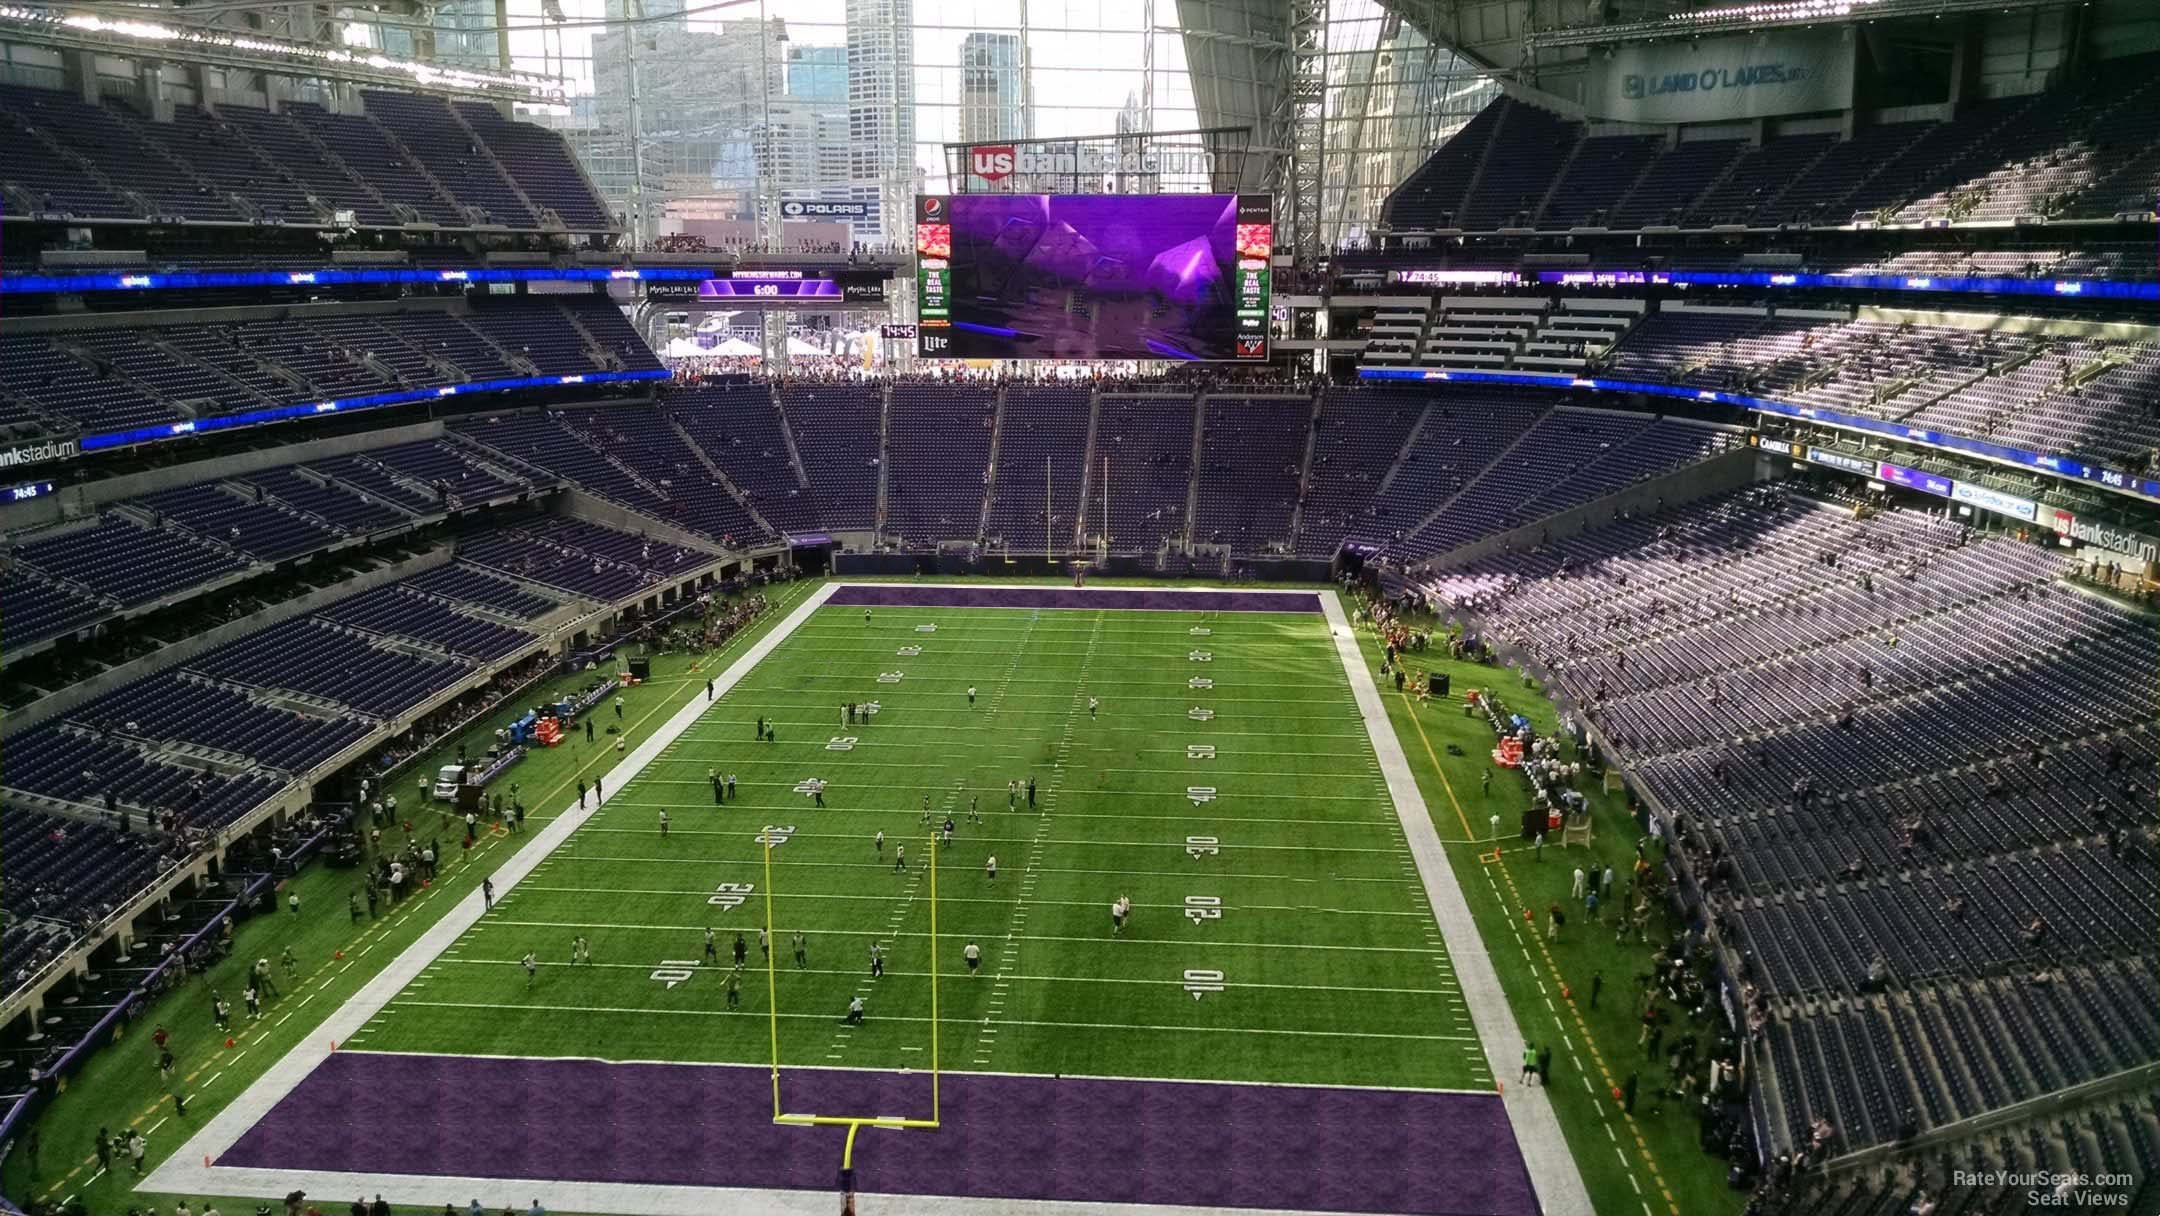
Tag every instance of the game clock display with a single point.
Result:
(1094, 276)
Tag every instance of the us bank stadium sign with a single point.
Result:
(39, 453)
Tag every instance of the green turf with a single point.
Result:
(1646, 1164)
(1330, 963)
(118, 1086)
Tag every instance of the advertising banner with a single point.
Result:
(1912, 479)
(1760, 75)
(1996, 501)
(1839, 460)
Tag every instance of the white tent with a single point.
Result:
(685, 348)
(735, 348)
(796, 346)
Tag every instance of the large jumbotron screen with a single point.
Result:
(1093, 276)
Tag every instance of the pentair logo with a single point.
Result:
(991, 162)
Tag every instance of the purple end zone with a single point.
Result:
(904, 595)
(1003, 1137)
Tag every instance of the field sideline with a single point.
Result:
(1288, 942)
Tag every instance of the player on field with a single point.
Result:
(990, 868)
(734, 988)
(971, 694)
(974, 808)
(854, 1011)
(866, 616)
(583, 950)
(532, 967)
(1093, 705)
(1031, 793)
(879, 841)
(1012, 795)
(663, 825)
(1120, 908)
(802, 949)
(742, 949)
(899, 858)
(764, 944)
(877, 960)
(973, 955)
(925, 819)
(712, 947)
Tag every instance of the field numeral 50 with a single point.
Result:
(1201, 981)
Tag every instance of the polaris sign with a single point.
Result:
(1761, 75)
(796, 209)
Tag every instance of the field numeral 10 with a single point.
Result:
(730, 895)
(1202, 846)
(1203, 907)
(673, 971)
(1200, 981)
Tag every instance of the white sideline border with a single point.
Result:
(1553, 1174)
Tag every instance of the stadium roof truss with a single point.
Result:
(281, 40)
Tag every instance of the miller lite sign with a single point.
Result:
(991, 162)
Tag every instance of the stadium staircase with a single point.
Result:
(884, 465)
(541, 215)
(1087, 469)
(1192, 483)
(995, 469)
(705, 459)
(1305, 476)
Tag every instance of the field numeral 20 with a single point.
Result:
(673, 971)
(1203, 907)
(1200, 981)
(1202, 846)
(774, 836)
(731, 895)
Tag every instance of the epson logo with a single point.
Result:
(38, 453)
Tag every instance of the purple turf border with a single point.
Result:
(1069, 1139)
(906, 595)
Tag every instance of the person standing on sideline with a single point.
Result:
(103, 1145)
(1529, 1064)
(990, 869)
(352, 904)
(136, 1147)
(292, 900)
(1581, 883)
(588, 735)
(971, 695)
(1597, 982)
(581, 793)
(598, 798)
(532, 967)
(487, 894)
(618, 708)
(708, 690)
(1485, 788)
(973, 954)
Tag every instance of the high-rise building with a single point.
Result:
(993, 89)
(701, 103)
(818, 73)
(881, 113)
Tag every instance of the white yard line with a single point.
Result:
(183, 1171)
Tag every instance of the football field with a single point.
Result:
(1276, 1024)
(1224, 784)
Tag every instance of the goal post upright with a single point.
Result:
(853, 1123)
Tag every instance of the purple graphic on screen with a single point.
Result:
(1093, 276)
(761, 289)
